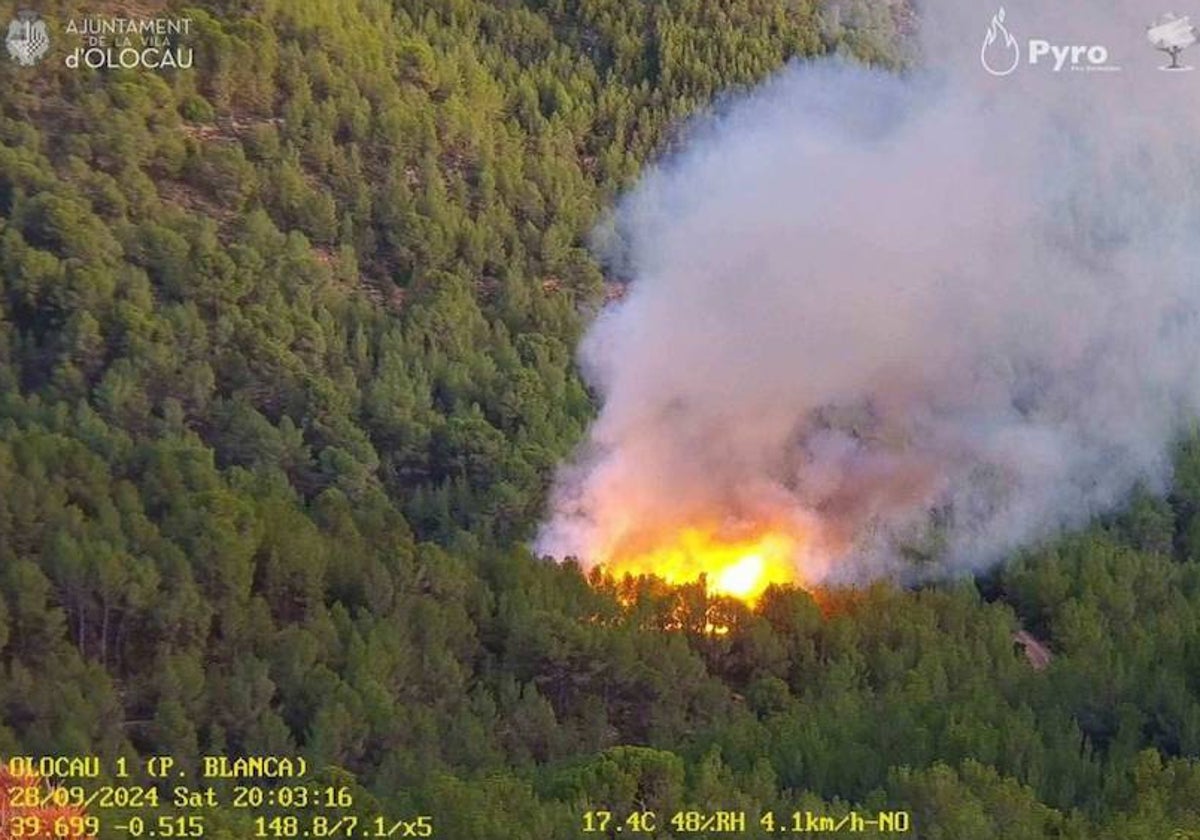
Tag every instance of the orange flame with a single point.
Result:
(740, 565)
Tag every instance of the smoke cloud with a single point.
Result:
(938, 309)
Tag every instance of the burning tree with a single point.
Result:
(31, 807)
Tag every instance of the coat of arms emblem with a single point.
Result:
(27, 39)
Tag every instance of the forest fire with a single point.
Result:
(738, 563)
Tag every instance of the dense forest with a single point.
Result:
(286, 367)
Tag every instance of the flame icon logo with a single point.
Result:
(1000, 54)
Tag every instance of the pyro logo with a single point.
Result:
(27, 39)
(1000, 54)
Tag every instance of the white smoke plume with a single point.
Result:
(938, 308)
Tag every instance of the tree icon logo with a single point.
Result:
(27, 39)
(1000, 53)
(1172, 35)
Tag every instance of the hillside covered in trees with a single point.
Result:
(286, 366)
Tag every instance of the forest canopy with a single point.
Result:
(286, 367)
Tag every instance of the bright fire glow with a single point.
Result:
(741, 566)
